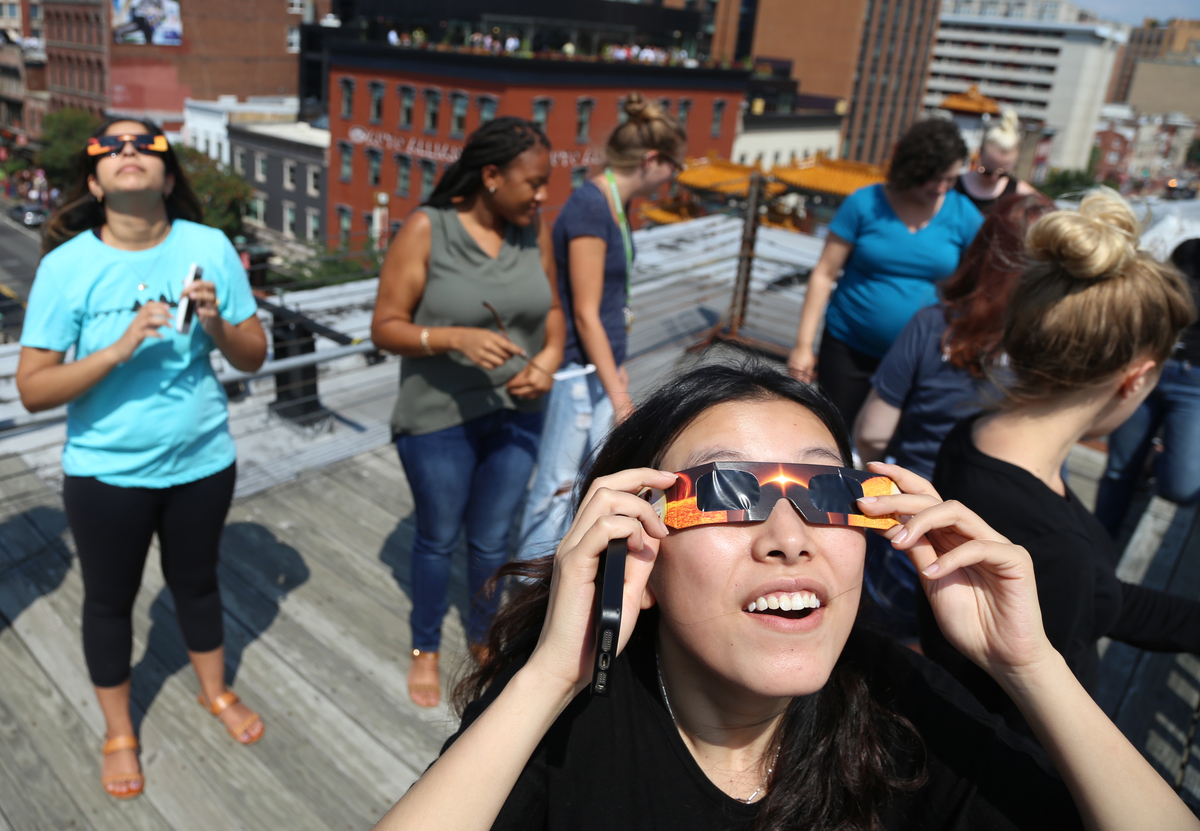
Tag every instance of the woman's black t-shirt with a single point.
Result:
(1074, 563)
(619, 762)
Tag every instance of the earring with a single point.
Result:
(492, 189)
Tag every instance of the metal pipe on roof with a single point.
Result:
(298, 362)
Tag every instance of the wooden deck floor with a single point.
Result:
(314, 578)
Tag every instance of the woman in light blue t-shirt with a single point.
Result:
(148, 447)
(895, 242)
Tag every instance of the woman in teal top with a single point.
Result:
(148, 447)
(467, 296)
(895, 242)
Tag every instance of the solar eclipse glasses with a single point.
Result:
(721, 492)
(113, 145)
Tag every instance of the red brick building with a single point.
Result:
(397, 117)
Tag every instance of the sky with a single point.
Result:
(1127, 11)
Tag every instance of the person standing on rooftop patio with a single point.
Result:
(896, 241)
(593, 250)
(467, 296)
(148, 446)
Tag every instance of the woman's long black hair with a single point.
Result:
(496, 143)
(837, 762)
(82, 211)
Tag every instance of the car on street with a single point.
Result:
(31, 215)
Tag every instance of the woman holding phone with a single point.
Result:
(148, 446)
(727, 712)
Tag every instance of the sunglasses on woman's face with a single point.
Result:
(113, 145)
(990, 171)
(721, 492)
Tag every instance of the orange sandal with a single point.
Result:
(223, 702)
(429, 693)
(136, 780)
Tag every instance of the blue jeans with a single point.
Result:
(1173, 406)
(474, 474)
(579, 417)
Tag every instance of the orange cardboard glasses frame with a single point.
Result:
(112, 145)
(722, 492)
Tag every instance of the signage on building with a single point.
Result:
(144, 22)
(575, 158)
(418, 148)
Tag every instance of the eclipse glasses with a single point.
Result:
(113, 145)
(721, 492)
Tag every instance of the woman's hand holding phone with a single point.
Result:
(149, 319)
(203, 295)
(611, 510)
(980, 585)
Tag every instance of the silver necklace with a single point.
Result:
(663, 688)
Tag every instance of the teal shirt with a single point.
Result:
(892, 272)
(159, 419)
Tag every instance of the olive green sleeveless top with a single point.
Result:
(446, 390)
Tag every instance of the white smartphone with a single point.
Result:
(187, 309)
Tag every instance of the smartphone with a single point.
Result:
(606, 612)
(187, 309)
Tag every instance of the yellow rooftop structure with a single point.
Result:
(835, 177)
(717, 175)
(972, 101)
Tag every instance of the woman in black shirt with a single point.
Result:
(744, 699)
(1086, 333)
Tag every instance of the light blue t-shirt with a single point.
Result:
(159, 419)
(892, 272)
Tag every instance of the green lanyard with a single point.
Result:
(625, 238)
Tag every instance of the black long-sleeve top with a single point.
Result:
(1074, 564)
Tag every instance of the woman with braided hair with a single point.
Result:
(467, 296)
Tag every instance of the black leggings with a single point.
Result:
(844, 374)
(112, 527)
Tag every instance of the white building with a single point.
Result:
(1046, 10)
(782, 138)
(1055, 71)
(205, 123)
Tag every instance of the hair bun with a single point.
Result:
(1100, 238)
(639, 109)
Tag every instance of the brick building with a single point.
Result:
(1153, 40)
(105, 57)
(872, 53)
(397, 117)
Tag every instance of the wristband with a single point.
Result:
(425, 347)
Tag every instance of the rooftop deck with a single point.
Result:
(315, 581)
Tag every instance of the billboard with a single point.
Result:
(156, 22)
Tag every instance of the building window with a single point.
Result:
(289, 174)
(487, 108)
(239, 160)
(312, 231)
(293, 39)
(428, 178)
(376, 114)
(403, 174)
(718, 117)
(458, 113)
(347, 151)
(374, 166)
(345, 217)
(295, 6)
(289, 220)
(583, 120)
(685, 109)
(541, 112)
(665, 104)
(433, 101)
(314, 180)
(407, 96)
(622, 116)
(347, 85)
(578, 177)
(260, 167)
(256, 209)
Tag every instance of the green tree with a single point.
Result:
(1193, 153)
(1062, 182)
(222, 194)
(64, 135)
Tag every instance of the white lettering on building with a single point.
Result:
(419, 148)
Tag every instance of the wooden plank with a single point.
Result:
(68, 747)
(32, 796)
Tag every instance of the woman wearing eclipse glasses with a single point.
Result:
(743, 696)
(127, 274)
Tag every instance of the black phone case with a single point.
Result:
(610, 592)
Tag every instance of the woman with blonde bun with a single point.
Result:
(1086, 333)
(593, 248)
(991, 178)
